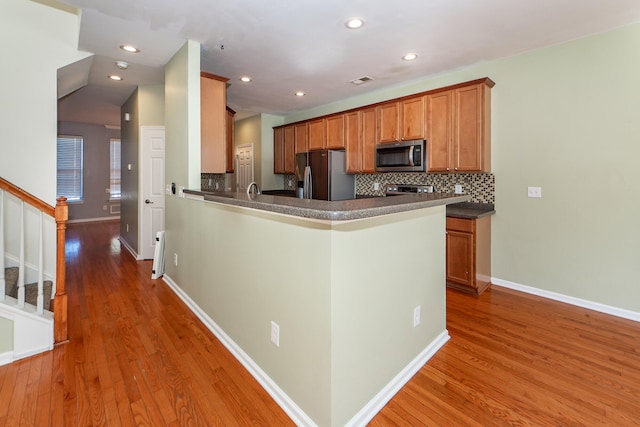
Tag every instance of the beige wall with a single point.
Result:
(28, 90)
(564, 118)
(146, 108)
(130, 143)
(345, 318)
(6, 335)
(28, 104)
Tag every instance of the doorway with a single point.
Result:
(151, 196)
(244, 166)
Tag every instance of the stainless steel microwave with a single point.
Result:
(402, 156)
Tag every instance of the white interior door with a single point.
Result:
(244, 166)
(151, 194)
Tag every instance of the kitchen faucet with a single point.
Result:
(251, 186)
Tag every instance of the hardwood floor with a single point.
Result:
(138, 356)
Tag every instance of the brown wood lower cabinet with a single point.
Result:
(469, 254)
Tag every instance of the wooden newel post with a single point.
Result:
(60, 302)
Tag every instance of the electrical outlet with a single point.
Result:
(181, 192)
(458, 189)
(534, 192)
(416, 316)
(217, 186)
(104, 207)
(290, 182)
(210, 181)
(376, 186)
(275, 333)
(175, 259)
(167, 189)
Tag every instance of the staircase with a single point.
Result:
(32, 271)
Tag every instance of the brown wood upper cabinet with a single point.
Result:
(300, 138)
(361, 139)
(283, 150)
(326, 133)
(231, 152)
(402, 120)
(213, 127)
(459, 129)
(334, 131)
(317, 139)
(389, 122)
(412, 118)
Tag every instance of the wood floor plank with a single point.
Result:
(138, 356)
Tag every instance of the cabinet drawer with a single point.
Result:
(460, 224)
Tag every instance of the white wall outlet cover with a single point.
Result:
(275, 333)
(376, 185)
(416, 316)
(458, 189)
(535, 192)
(181, 192)
(167, 189)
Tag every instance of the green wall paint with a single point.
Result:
(6, 335)
(565, 119)
(345, 319)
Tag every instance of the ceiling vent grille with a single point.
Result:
(361, 80)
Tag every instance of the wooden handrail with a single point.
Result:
(61, 214)
(27, 197)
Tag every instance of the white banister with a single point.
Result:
(21, 259)
(40, 300)
(3, 282)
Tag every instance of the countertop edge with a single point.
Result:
(346, 210)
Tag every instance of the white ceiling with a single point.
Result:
(286, 46)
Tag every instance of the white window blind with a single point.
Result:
(70, 167)
(114, 174)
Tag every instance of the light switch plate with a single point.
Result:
(458, 189)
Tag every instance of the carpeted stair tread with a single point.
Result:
(30, 290)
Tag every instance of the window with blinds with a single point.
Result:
(114, 169)
(70, 167)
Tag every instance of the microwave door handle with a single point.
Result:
(411, 155)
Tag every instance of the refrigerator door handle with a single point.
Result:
(308, 183)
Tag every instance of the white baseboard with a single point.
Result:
(130, 249)
(297, 415)
(6, 358)
(383, 397)
(602, 308)
(104, 218)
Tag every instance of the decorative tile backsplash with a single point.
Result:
(208, 181)
(480, 186)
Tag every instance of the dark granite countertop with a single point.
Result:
(470, 210)
(342, 210)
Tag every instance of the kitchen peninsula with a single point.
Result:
(332, 306)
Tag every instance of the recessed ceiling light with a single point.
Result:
(300, 93)
(129, 48)
(114, 77)
(410, 56)
(354, 23)
(122, 65)
(245, 79)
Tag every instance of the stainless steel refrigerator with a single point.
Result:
(322, 175)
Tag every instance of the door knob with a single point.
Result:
(149, 202)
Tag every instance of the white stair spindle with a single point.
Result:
(3, 283)
(21, 262)
(40, 303)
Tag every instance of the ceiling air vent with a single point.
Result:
(361, 80)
